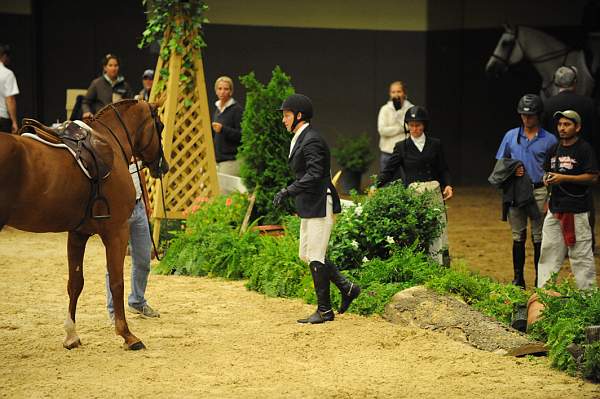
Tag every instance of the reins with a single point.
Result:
(551, 55)
(135, 160)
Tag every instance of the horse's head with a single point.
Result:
(508, 52)
(149, 144)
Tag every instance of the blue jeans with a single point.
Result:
(385, 157)
(141, 247)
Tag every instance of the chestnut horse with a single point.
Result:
(42, 189)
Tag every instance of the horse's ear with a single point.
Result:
(509, 28)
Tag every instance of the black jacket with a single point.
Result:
(229, 139)
(583, 105)
(311, 163)
(412, 165)
(517, 191)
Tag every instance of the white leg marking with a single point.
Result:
(72, 340)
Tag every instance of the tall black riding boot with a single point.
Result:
(324, 312)
(518, 253)
(537, 251)
(347, 288)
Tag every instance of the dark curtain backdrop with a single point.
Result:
(345, 72)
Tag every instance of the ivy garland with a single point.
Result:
(182, 21)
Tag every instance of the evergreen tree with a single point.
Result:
(265, 143)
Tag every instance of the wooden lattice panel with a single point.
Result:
(187, 143)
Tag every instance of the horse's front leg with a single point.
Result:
(75, 250)
(116, 246)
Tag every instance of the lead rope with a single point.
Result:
(139, 176)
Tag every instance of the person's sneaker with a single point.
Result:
(145, 311)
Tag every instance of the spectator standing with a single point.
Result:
(565, 78)
(147, 81)
(8, 90)
(227, 127)
(529, 144)
(106, 89)
(571, 170)
(390, 122)
(141, 249)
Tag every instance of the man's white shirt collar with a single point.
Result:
(296, 135)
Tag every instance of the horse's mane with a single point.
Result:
(118, 104)
(547, 38)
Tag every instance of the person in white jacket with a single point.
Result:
(390, 122)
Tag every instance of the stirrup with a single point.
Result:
(103, 201)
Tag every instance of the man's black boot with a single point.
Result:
(537, 251)
(518, 253)
(347, 288)
(324, 312)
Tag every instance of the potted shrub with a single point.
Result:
(353, 155)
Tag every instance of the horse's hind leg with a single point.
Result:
(116, 246)
(75, 250)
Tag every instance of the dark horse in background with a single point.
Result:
(42, 189)
(546, 54)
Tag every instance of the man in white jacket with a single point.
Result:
(390, 122)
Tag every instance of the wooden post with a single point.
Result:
(187, 141)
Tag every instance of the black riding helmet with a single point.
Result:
(298, 103)
(530, 104)
(415, 113)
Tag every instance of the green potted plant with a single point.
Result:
(353, 155)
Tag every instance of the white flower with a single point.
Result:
(354, 244)
(365, 259)
(358, 210)
(390, 239)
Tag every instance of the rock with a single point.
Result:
(424, 308)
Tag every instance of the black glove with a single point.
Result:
(280, 196)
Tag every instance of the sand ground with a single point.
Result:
(216, 339)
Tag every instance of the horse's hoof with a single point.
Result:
(72, 345)
(137, 346)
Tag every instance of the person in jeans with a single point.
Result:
(571, 170)
(141, 248)
(530, 144)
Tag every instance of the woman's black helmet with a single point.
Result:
(416, 114)
(530, 104)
